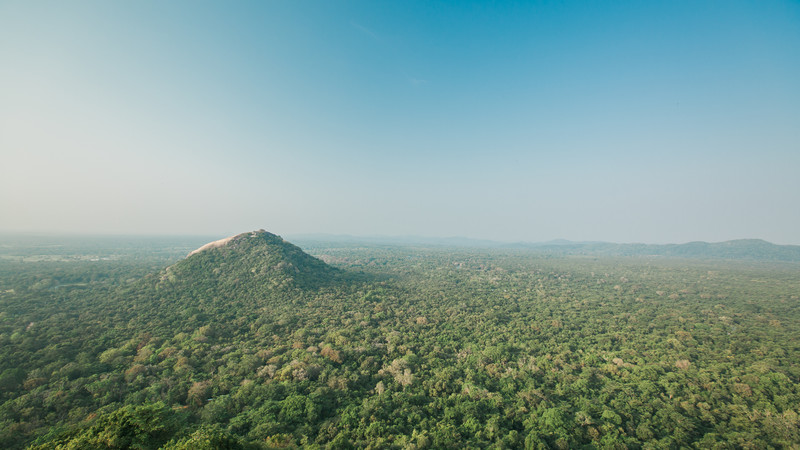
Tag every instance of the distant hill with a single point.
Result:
(744, 249)
(254, 258)
(740, 249)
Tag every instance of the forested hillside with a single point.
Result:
(256, 344)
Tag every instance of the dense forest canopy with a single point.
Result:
(257, 344)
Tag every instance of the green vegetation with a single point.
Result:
(257, 345)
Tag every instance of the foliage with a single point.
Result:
(140, 427)
(399, 348)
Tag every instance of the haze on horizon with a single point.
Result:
(630, 121)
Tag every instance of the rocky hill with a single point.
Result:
(248, 259)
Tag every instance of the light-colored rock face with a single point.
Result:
(214, 244)
(223, 242)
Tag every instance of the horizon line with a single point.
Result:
(320, 236)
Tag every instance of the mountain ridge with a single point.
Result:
(736, 249)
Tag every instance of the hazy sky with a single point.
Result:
(618, 121)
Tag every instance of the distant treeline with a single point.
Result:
(740, 249)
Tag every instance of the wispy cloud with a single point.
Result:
(417, 81)
(364, 29)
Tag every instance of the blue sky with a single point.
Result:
(619, 121)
